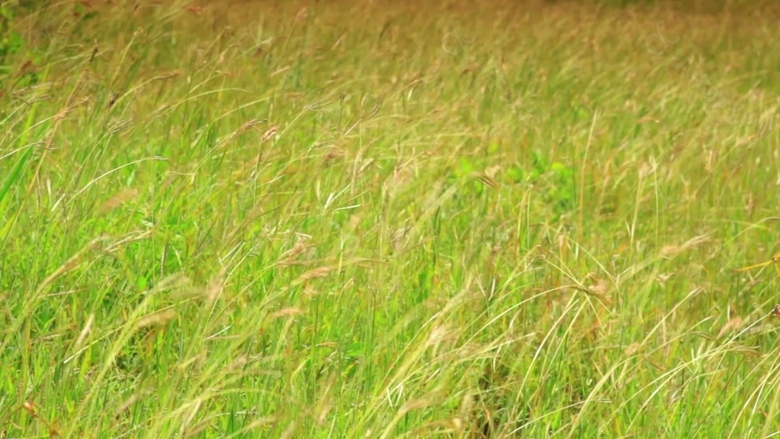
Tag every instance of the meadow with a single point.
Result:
(368, 219)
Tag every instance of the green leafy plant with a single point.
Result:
(554, 179)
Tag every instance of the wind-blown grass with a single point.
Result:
(369, 220)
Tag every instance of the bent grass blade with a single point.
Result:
(775, 259)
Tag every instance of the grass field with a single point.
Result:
(370, 220)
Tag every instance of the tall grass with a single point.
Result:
(389, 220)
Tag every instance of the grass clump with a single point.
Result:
(286, 219)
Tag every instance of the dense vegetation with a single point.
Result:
(359, 219)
